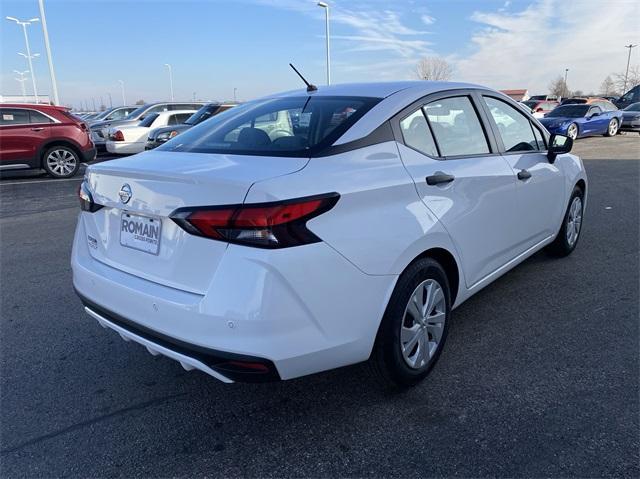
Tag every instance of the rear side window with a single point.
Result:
(515, 129)
(37, 117)
(274, 127)
(9, 116)
(456, 127)
(417, 135)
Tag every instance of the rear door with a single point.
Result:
(20, 139)
(540, 184)
(462, 179)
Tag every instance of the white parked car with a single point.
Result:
(346, 237)
(130, 139)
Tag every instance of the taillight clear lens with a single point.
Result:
(265, 225)
(86, 200)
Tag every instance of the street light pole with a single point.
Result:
(124, 100)
(326, 26)
(28, 55)
(630, 46)
(565, 89)
(170, 79)
(22, 79)
(110, 100)
(47, 46)
(235, 96)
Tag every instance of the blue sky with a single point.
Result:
(217, 45)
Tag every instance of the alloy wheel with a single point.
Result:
(572, 132)
(574, 221)
(423, 324)
(61, 162)
(613, 127)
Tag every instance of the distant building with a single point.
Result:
(517, 95)
(25, 99)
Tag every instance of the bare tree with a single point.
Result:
(558, 87)
(633, 79)
(140, 102)
(607, 87)
(434, 68)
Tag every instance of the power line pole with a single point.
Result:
(626, 75)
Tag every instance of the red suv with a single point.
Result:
(43, 136)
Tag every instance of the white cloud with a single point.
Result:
(531, 47)
(428, 19)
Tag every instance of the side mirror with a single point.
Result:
(558, 144)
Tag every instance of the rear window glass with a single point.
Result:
(148, 120)
(37, 117)
(14, 117)
(295, 126)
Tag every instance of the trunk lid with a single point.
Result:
(158, 183)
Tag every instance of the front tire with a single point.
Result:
(572, 131)
(569, 234)
(61, 162)
(612, 129)
(414, 327)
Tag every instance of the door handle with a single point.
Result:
(439, 178)
(524, 175)
(37, 129)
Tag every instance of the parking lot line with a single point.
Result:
(48, 180)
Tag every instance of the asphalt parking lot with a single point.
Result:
(540, 375)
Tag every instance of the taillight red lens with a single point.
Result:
(266, 225)
(118, 136)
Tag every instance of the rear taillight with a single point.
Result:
(118, 136)
(86, 200)
(265, 225)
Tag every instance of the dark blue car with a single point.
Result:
(580, 120)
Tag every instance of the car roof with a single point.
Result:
(375, 89)
(33, 105)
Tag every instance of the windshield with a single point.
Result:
(633, 107)
(149, 119)
(568, 111)
(292, 126)
(201, 115)
(136, 113)
(102, 115)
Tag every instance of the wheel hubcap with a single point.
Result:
(574, 221)
(61, 162)
(423, 324)
(613, 127)
(573, 132)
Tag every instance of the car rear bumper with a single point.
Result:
(125, 147)
(292, 313)
(89, 155)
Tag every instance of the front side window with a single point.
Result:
(456, 127)
(266, 127)
(515, 128)
(417, 135)
(9, 116)
(593, 110)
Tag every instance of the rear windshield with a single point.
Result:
(149, 119)
(568, 111)
(530, 104)
(295, 126)
(137, 112)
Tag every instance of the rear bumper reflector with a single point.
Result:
(227, 367)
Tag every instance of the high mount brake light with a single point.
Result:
(86, 200)
(265, 225)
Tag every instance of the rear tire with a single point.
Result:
(572, 131)
(61, 162)
(612, 129)
(569, 234)
(414, 327)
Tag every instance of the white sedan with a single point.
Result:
(347, 237)
(130, 139)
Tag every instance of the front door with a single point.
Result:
(540, 184)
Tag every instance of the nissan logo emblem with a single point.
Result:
(125, 193)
